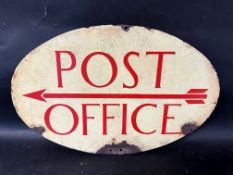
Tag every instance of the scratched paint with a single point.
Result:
(114, 89)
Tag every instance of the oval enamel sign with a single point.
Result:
(114, 89)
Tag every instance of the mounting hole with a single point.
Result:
(121, 149)
(125, 27)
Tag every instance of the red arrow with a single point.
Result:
(193, 96)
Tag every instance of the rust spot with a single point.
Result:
(148, 28)
(188, 45)
(119, 149)
(125, 27)
(189, 127)
(15, 76)
(39, 130)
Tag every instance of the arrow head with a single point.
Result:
(38, 95)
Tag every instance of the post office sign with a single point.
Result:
(114, 89)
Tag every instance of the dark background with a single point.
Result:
(205, 24)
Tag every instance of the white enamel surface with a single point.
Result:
(187, 69)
